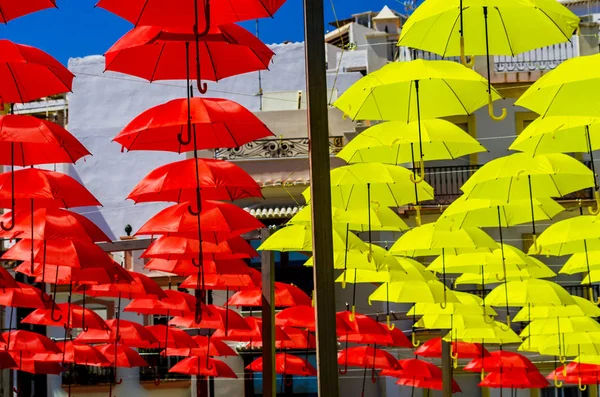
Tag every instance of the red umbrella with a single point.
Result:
(302, 316)
(10, 9)
(433, 384)
(214, 317)
(299, 339)
(30, 342)
(175, 304)
(206, 347)
(180, 248)
(190, 12)
(286, 295)
(55, 224)
(79, 317)
(417, 369)
(225, 281)
(185, 267)
(6, 360)
(500, 360)
(388, 337)
(6, 279)
(131, 334)
(515, 379)
(167, 335)
(174, 182)
(41, 188)
(433, 348)
(28, 362)
(141, 287)
(89, 274)
(360, 324)
(28, 140)
(24, 296)
(286, 364)
(201, 367)
(77, 354)
(28, 74)
(253, 334)
(126, 357)
(367, 357)
(227, 219)
(219, 123)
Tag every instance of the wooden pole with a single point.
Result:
(446, 370)
(268, 319)
(318, 136)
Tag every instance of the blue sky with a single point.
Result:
(78, 29)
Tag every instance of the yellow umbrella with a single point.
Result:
(430, 240)
(581, 262)
(382, 218)
(569, 90)
(396, 142)
(415, 269)
(582, 307)
(493, 333)
(469, 304)
(569, 345)
(299, 238)
(357, 186)
(516, 275)
(563, 134)
(475, 27)
(413, 291)
(520, 176)
(416, 90)
(355, 259)
(560, 325)
(532, 291)
(451, 321)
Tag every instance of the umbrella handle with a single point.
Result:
(288, 382)
(157, 379)
(463, 57)
(390, 325)
(373, 376)
(507, 324)
(421, 178)
(557, 383)
(192, 211)
(60, 316)
(563, 360)
(353, 314)
(454, 363)
(345, 370)
(196, 264)
(485, 320)
(118, 382)
(482, 375)
(12, 220)
(85, 329)
(491, 110)
(443, 305)
(580, 386)
(501, 279)
(595, 211)
(537, 250)
(16, 391)
(415, 342)
(418, 215)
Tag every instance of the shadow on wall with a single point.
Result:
(92, 213)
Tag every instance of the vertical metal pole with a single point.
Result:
(446, 370)
(268, 319)
(318, 135)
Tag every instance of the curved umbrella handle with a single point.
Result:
(184, 142)
(196, 264)
(595, 211)
(501, 279)
(16, 391)
(118, 382)
(507, 324)
(491, 319)
(12, 220)
(557, 383)
(345, 370)
(373, 376)
(287, 381)
(563, 360)
(491, 110)
(60, 316)
(390, 325)
(463, 57)
(209, 366)
(536, 248)
(415, 342)
(157, 381)
(443, 305)
(421, 178)
(580, 386)
(192, 211)
(353, 313)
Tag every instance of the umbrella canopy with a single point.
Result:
(27, 362)
(582, 307)
(434, 26)
(302, 316)
(174, 182)
(559, 325)
(89, 274)
(125, 356)
(299, 238)
(215, 216)
(206, 347)
(203, 367)
(286, 295)
(30, 342)
(433, 348)
(10, 10)
(500, 361)
(131, 334)
(175, 304)
(579, 234)
(234, 282)
(390, 93)
(286, 364)
(77, 354)
(141, 12)
(215, 317)
(185, 267)
(218, 123)
(181, 248)
(367, 357)
(533, 291)
(141, 286)
(515, 380)
(171, 336)
(252, 333)
(413, 291)
(24, 296)
(494, 333)
(397, 142)
(77, 316)
(28, 140)
(154, 53)
(28, 74)
(433, 384)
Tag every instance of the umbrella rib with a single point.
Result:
(15, 81)
(450, 35)
(457, 97)
(162, 48)
(212, 63)
(552, 101)
(512, 52)
(555, 24)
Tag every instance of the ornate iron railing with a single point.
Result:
(276, 148)
(82, 375)
(541, 59)
(159, 366)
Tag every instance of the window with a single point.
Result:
(292, 385)
(522, 120)
(565, 391)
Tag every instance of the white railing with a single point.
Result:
(541, 59)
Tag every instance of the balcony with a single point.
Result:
(278, 148)
(159, 365)
(82, 375)
(447, 181)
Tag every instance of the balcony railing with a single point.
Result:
(159, 366)
(82, 375)
(276, 149)
(447, 181)
(541, 59)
